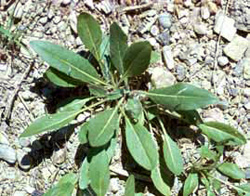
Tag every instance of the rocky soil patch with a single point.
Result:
(206, 43)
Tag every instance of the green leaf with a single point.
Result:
(102, 126)
(60, 79)
(182, 96)
(90, 33)
(141, 145)
(64, 187)
(155, 57)
(191, 184)
(134, 108)
(73, 105)
(66, 61)
(243, 190)
(172, 155)
(111, 149)
(99, 173)
(190, 116)
(159, 182)
(118, 46)
(82, 135)
(98, 91)
(50, 122)
(205, 152)
(130, 186)
(222, 133)
(231, 170)
(136, 59)
(84, 175)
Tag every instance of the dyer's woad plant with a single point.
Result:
(118, 107)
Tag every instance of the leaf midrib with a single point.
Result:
(141, 144)
(109, 120)
(174, 96)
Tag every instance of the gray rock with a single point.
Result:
(168, 57)
(104, 6)
(24, 141)
(222, 60)
(246, 65)
(164, 38)
(7, 153)
(214, 114)
(56, 19)
(236, 48)
(200, 29)
(165, 20)
(224, 26)
(180, 72)
(161, 77)
(247, 106)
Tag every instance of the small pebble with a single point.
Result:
(164, 38)
(24, 160)
(165, 20)
(59, 156)
(205, 14)
(224, 26)
(181, 72)
(236, 48)
(20, 193)
(200, 29)
(7, 153)
(66, 2)
(3, 139)
(222, 60)
(168, 57)
(246, 65)
(154, 30)
(161, 77)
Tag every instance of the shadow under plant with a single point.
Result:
(118, 106)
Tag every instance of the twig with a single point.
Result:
(124, 173)
(136, 7)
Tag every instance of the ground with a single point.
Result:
(205, 43)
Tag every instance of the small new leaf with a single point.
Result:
(191, 184)
(130, 186)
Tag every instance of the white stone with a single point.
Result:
(161, 77)
(222, 60)
(3, 139)
(246, 65)
(66, 2)
(89, 4)
(236, 48)
(7, 153)
(205, 13)
(200, 28)
(168, 57)
(224, 26)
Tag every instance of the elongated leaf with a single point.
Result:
(130, 186)
(111, 149)
(82, 135)
(244, 190)
(182, 96)
(134, 108)
(64, 187)
(191, 184)
(84, 175)
(191, 116)
(102, 126)
(222, 133)
(90, 33)
(118, 46)
(73, 105)
(66, 61)
(49, 122)
(172, 155)
(159, 183)
(99, 173)
(136, 59)
(141, 145)
(60, 79)
(231, 170)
